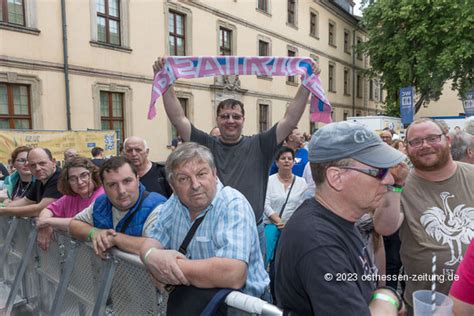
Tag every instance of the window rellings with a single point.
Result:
(332, 34)
(262, 117)
(312, 24)
(291, 12)
(111, 112)
(262, 5)
(347, 42)
(15, 108)
(346, 82)
(225, 41)
(331, 87)
(359, 86)
(108, 21)
(12, 12)
(177, 36)
(291, 78)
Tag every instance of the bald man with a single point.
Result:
(43, 192)
(152, 175)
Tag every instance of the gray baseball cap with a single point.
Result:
(342, 140)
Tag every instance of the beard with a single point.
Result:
(442, 155)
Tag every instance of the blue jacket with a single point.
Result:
(102, 213)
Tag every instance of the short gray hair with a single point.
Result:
(318, 170)
(469, 125)
(460, 141)
(187, 152)
(145, 144)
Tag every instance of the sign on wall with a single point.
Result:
(468, 104)
(58, 142)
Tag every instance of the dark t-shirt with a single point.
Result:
(244, 165)
(38, 191)
(155, 180)
(98, 161)
(320, 263)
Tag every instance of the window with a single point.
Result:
(177, 36)
(225, 41)
(347, 82)
(262, 117)
(262, 5)
(15, 108)
(377, 96)
(371, 89)
(112, 112)
(108, 21)
(359, 86)
(313, 24)
(331, 78)
(291, 19)
(291, 79)
(332, 33)
(345, 115)
(359, 55)
(347, 41)
(358, 113)
(12, 12)
(263, 48)
(312, 127)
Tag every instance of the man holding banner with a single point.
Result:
(231, 149)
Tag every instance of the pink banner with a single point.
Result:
(197, 67)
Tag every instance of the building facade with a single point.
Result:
(110, 46)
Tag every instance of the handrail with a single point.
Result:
(105, 280)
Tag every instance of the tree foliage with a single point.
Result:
(421, 43)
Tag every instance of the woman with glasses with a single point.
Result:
(21, 179)
(80, 184)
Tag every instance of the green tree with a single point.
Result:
(420, 43)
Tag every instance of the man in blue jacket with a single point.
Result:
(122, 215)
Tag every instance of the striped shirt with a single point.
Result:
(227, 231)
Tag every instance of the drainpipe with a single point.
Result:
(66, 65)
(353, 71)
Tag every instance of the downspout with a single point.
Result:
(66, 65)
(353, 71)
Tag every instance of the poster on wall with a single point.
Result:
(58, 142)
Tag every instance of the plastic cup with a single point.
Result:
(422, 305)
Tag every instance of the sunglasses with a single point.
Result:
(378, 173)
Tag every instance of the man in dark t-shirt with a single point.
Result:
(152, 175)
(43, 192)
(322, 263)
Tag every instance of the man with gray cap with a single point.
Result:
(331, 273)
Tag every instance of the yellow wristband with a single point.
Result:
(149, 251)
(387, 298)
(91, 233)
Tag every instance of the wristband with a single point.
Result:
(395, 188)
(149, 251)
(394, 292)
(386, 298)
(91, 233)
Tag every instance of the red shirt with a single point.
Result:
(463, 289)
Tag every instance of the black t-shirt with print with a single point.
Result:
(320, 263)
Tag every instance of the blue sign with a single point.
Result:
(468, 104)
(406, 105)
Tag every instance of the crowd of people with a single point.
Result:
(201, 222)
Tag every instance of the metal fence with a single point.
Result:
(69, 279)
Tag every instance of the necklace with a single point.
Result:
(285, 179)
(21, 189)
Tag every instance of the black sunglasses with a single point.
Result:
(379, 173)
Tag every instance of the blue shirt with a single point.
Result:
(227, 231)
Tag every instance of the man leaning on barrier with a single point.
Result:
(224, 252)
(43, 191)
(122, 215)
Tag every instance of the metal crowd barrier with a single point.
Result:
(69, 279)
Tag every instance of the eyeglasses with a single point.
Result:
(227, 116)
(379, 173)
(21, 160)
(84, 177)
(430, 139)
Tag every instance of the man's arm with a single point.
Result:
(25, 207)
(388, 216)
(461, 308)
(173, 108)
(293, 114)
(214, 272)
